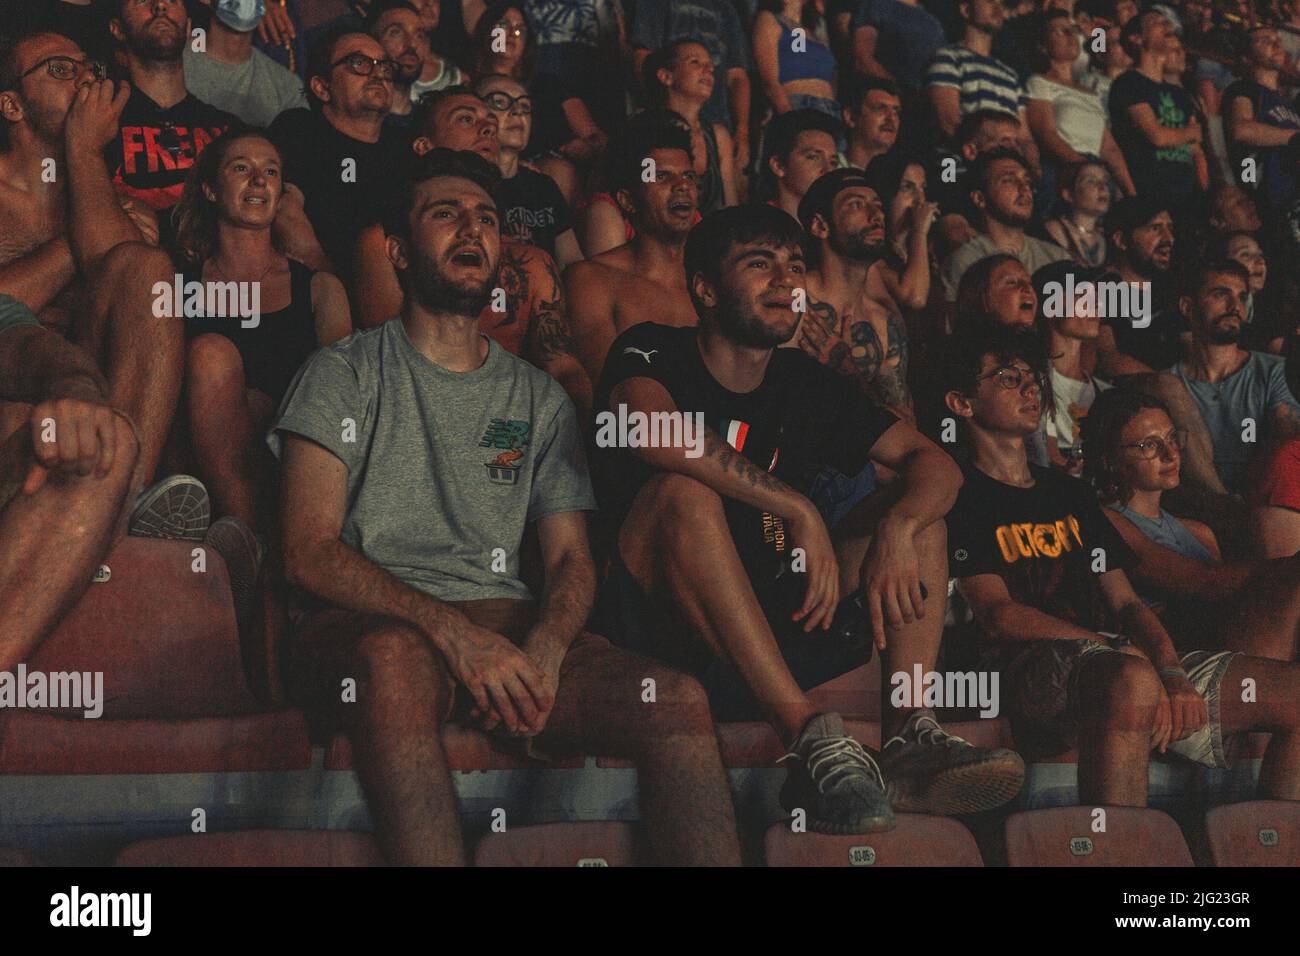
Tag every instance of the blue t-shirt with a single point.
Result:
(714, 23)
(982, 82)
(1275, 175)
(1253, 391)
(1168, 532)
(907, 37)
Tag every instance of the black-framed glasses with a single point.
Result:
(363, 65)
(504, 102)
(1014, 378)
(1149, 448)
(69, 68)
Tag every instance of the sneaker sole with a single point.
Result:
(973, 788)
(176, 508)
(869, 825)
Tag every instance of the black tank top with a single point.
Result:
(277, 346)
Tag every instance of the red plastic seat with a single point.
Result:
(467, 749)
(13, 856)
(1258, 833)
(1064, 836)
(39, 744)
(163, 635)
(559, 844)
(917, 840)
(315, 848)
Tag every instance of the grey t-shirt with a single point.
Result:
(257, 90)
(1033, 255)
(1253, 391)
(444, 468)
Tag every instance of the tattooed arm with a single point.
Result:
(890, 383)
(882, 372)
(550, 343)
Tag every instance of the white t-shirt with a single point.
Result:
(1080, 115)
(1073, 399)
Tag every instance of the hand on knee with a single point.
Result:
(1122, 690)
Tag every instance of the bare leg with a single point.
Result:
(226, 431)
(910, 644)
(54, 540)
(1119, 695)
(1275, 708)
(685, 796)
(141, 355)
(403, 696)
(678, 548)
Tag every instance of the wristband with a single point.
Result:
(1172, 672)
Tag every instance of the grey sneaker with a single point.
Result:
(835, 781)
(243, 553)
(932, 771)
(176, 507)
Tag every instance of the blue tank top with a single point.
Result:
(1168, 532)
(816, 62)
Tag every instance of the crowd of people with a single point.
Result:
(975, 320)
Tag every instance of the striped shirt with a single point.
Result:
(982, 82)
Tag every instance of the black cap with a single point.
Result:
(821, 194)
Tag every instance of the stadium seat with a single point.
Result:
(1065, 836)
(162, 633)
(13, 856)
(1258, 833)
(467, 749)
(40, 744)
(559, 844)
(917, 840)
(314, 848)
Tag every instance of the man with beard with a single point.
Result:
(1252, 417)
(725, 568)
(396, 25)
(1001, 188)
(164, 127)
(526, 315)
(873, 114)
(844, 328)
(234, 76)
(339, 153)
(72, 253)
(1141, 233)
(642, 280)
(399, 530)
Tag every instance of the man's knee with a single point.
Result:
(398, 658)
(682, 498)
(1122, 690)
(136, 264)
(680, 704)
(933, 538)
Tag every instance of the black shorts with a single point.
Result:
(631, 619)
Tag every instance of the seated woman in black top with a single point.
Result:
(252, 317)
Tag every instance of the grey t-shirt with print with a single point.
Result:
(444, 467)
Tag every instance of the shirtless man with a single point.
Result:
(843, 327)
(72, 250)
(642, 280)
(533, 323)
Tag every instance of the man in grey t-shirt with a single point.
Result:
(415, 455)
(232, 75)
(1252, 417)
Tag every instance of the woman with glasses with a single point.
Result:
(1133, 458)
(533, 209)
(1067, 118)
(565, 137)
(238, 369)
